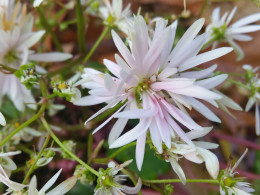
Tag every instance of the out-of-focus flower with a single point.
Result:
(198, 153)
(36, 3)
(231, 184)
(61, 189)
(17, 37)
(254, 96)
(109, 183)
(6, 166)
(221, 30)
(152, 84)
(2, 119)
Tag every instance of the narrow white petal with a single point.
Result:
(238, 162)
(91, 100)
(200, 74)
(155, 136)
(117, 130)
(36, 3)
(247, 20)
(2, 119)
(257, 119)
(50, 57)
(231, 15)
(64, 187)
(33, 186)
(132, 134)
(212, 82)
(139, 151)
(112, 67)
(249, 104)
(241, 37)
(237, 49)
(34, 38)
(211, 161)
(51, 181)
(198, 134)
(205, 57)
(201, 108)
(131, 190)
(244, 29)
(178, 170)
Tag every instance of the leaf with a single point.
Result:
(80, 188)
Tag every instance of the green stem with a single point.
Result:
(205, 3)
(238, 83)
(51, 96)
(212, 181)
(35, 117)
(37, 158)
(80, 27)
(208, 43)
(56, 139)
(8, 68)
(48, 28)
(104, 160)
(96, 44)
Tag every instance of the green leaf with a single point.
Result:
(80, 188)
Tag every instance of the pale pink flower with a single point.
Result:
(153, 86)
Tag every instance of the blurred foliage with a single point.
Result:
(80, 188)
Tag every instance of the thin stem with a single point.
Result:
(113, 155)
(12, 70)
(80, 27)
(107, 28)
(37, 158)
(51, 96)
(48, 28)
(212, 181)
(90, 146)
(238, 83)
(203, 7)
(25, 124)
(56, 139)
(208, 43)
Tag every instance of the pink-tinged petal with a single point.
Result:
(190, 50)
(110, 83)
(100, 92)
(123, 49)
(178, 130)
(201, 108)
(155, 136)
(244, 29)
(189, 35)
(205, 57)
(198, 134)
(181, 116)
(212, 82)
(231, 15)
(139, 151)
(120, 62)
(178, 170)
(131, 190)
(211, 161)
(108, 120)
(197, 92)
(172, 84)
(257, 119)
(117, 130)
(167, 72)
(50, 57)
(246, 20)
(200, 74)
(132, 134)
(91, 100)
(112, 67)
(164, 131)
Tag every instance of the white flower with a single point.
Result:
(16, 39)
(61, 189)
(221, 30)
(198, 153)
(230, 184)
(153, 86)
(109, 183)
(254, 97)
(114, 14)
(2, 119)
(6, 166)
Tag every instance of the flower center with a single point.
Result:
(219, 32)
